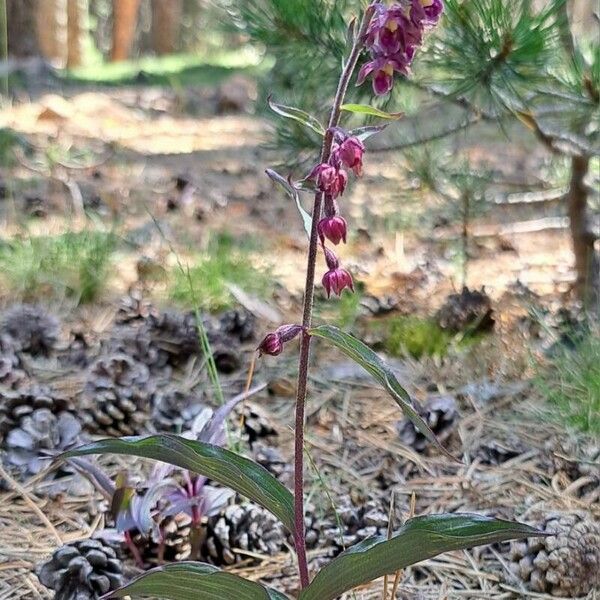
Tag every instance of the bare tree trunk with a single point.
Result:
(76, 21)
(125, 13)
(587, 262)
(20, 16)
(51, 30)
(166, 23)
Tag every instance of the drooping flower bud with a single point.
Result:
(330, 179)
(351, 152)
(336, 279)
(333, 228)
(273, 342)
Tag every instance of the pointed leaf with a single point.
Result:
(365, 109)
(240, 474)
(364, 133)
(190, 581)
(418, 539)
(366, 358)
(293, 192)
(290, 112)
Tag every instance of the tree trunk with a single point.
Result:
(76, 21)
(587, 261)
(20, 16)
(166, 23)
(51, 30)
(125, 14)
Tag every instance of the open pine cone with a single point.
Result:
(565, 564)
(39, 435)
(119, 396)
(245, 527)
(356, 522)
(11, 374)
(174, 410)
(440, 413)
(16, 404)
(32, 329)
(83, 570)
(175, 334)
(136, 342)
(469, 310)
(238, 324)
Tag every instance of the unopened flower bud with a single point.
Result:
(333, 228)
(271, 345)
(273, 342)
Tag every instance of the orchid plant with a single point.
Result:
(387, 36)
(168, 491)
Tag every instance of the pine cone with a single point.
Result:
(227, 358)
(119, 395)
(11, 374)
(175, 334)
(39, 435)
(469, 310)
(15, 405)
(564, 564)
(82, 570)
(270, 458)
(174, 410)
(77, 352)
(136, 342)
(256, 424)
(177, 532)
(242, 527)
(134, 309)
(355, 524)
(238, 324)
(440, 413)
(32, 329)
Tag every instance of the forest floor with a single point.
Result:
(176, 188)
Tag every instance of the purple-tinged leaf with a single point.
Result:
(232, 470)
(418, 539)
(191, 581)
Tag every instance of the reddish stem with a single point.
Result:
(299, 535)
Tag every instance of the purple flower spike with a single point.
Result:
(333, 228)
(273, 342)
(394, 34)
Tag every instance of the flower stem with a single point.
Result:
(299, 537)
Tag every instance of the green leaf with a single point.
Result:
(190, 581)
(365, 109)
(293, 192)
(366, 358)
(226, 467)
(418, 539)
(290, 112)
(364, 133)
